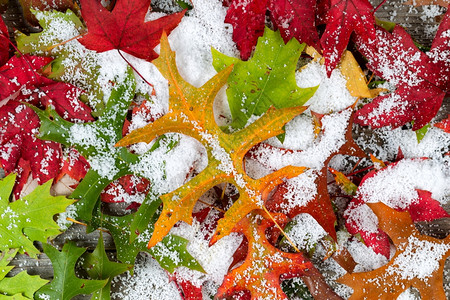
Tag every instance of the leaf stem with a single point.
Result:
(281, 229)
(379, 5)
(137, 72)
(64, 42)
(84, 224)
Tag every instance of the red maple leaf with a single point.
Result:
(4, 43)
(76, 166)
(125, 28)
(342, 18)
(422, 80)
(21, 151)
(125, 188)
(292, 18)
(264, 264)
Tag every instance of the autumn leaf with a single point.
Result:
(422, 80)
(95, 141)
(265, 265)
(418, 262)
(29, 219)
(75, 165)
(124, 28)
(4, 43)
(98, 266)
(360, 220)
(293, 19)
(71, 63)
(24, 153)
(125, 188)
(65, 284)
(192, 114)
(267, 79)
(342, 18)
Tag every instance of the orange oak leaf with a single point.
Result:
(265, 265)
(191, 113)
(418, 262)
(321, 208)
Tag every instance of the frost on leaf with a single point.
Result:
(264, 265)
(191, 113)
(294, 19)
(418, 262)
(124, 28)
(28, 219)
(422, 79)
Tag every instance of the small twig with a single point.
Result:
(84, 224)
(281, 229)
(137, 72)
(379, 5)
(212, 206)
(64, 42)
(357, 163)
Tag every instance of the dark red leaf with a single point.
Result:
(342, 18)
(247, 18)
(125, 28)
(4, 43)
(422, 80)
(294, 19)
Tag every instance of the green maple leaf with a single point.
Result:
(95, 141)
(65, 284)
(28, 219)
(99, 266)
(265, 80)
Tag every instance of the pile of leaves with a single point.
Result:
(306, 160)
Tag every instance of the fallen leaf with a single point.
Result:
(342, 18)
(65, 284)
(422, 80)
(124, 28)
(29, 219)
(267, 79)
(418, 262)
(192, 114)
(293, 19)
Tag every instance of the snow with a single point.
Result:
(149, 281)
(419, 259)
(408, 175)
(332, 94)
(200, 30)
(169, 167)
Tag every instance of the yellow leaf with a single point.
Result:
(356, 80)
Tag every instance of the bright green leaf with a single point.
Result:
(21, 286)
(65, 284)
(265, 80)
(28, 219)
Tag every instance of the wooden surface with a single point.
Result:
(421, 30)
